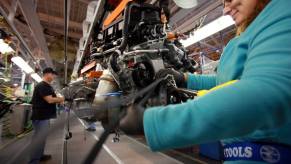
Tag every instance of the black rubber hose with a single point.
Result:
(125, 28)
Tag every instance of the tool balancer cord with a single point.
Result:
(115, 123)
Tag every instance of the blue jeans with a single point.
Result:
(38, 140)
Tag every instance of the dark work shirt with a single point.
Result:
(41, 109)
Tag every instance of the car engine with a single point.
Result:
(132, 50)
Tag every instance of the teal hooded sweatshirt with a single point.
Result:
(256, 108)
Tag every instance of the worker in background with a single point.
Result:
(165, 17)
(251, 117)
(44, 102)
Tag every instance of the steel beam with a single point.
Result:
(35, 28)
(174, 9)
(180, 15)
(196, 15)
(17, 34)
(215, 41)
(58, 20)
(71, 34)
(208, 45)
(12, 10)
(85, 1)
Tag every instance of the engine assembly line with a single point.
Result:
(145, 81)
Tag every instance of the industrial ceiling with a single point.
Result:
(40, 24)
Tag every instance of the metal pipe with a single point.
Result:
(67, 132)
(131, 52)
(145, 51)
(105, 52)
(75, 83)
(67, 4)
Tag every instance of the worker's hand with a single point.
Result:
(62, 100)
(132, 123)
(178, 76)
(182, 36)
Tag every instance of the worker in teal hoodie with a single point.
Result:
(251, 117)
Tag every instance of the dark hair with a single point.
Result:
(164, 4)
(49, 70)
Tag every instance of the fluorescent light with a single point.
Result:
(4, 47)
(22, 64)
(213, 27)
(36, 77)
(186, 4)
(4, 79)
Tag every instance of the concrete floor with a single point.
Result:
(127, 151)
(130, 150)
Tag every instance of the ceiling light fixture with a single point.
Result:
(186, 4)
(4, 47)
(36, 77)
(213, 27)
(22, 64)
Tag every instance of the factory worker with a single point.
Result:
(44, 102)
(251, 117)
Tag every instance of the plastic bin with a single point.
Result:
(19, 118)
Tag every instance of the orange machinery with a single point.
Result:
(119, 9)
